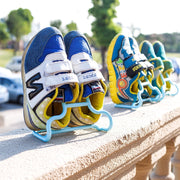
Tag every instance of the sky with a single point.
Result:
(147, 16)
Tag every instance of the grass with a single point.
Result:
(6, 55)
(97, 56)
(177, 55)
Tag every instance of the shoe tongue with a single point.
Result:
(64, 94)
(134, 46)
(91, 88)
(125, 51)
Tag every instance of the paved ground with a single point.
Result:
(11, 117)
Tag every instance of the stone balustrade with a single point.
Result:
(143, 144)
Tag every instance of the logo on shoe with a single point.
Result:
(121, 68)
(89, 76)
(66, 78)
(38, 87)
(135, 68)
(122, 85)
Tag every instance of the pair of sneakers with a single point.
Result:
(58, 70)
(126, 66)
(163, 67)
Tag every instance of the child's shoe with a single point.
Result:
(147, 49)
(90, 79)
(48, 80)
(148, 67)
(168, 67)
(141, 58)
(124, 71)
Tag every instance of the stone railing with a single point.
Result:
(143, 144)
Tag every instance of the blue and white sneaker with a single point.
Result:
(48, 80)
(90, 79)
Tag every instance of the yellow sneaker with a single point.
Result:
(124, 71)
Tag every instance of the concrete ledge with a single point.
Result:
(88, 154)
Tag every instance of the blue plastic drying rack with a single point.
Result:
(49, 132)
(140, 101)
(160, 93)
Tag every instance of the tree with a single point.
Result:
(71, 26)
(140, 38)
(103, 28)
(56, 23)
(19, 23)
(4, 35)
(64, 30)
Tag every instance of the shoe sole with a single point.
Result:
(112, 74)
(25, 112)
